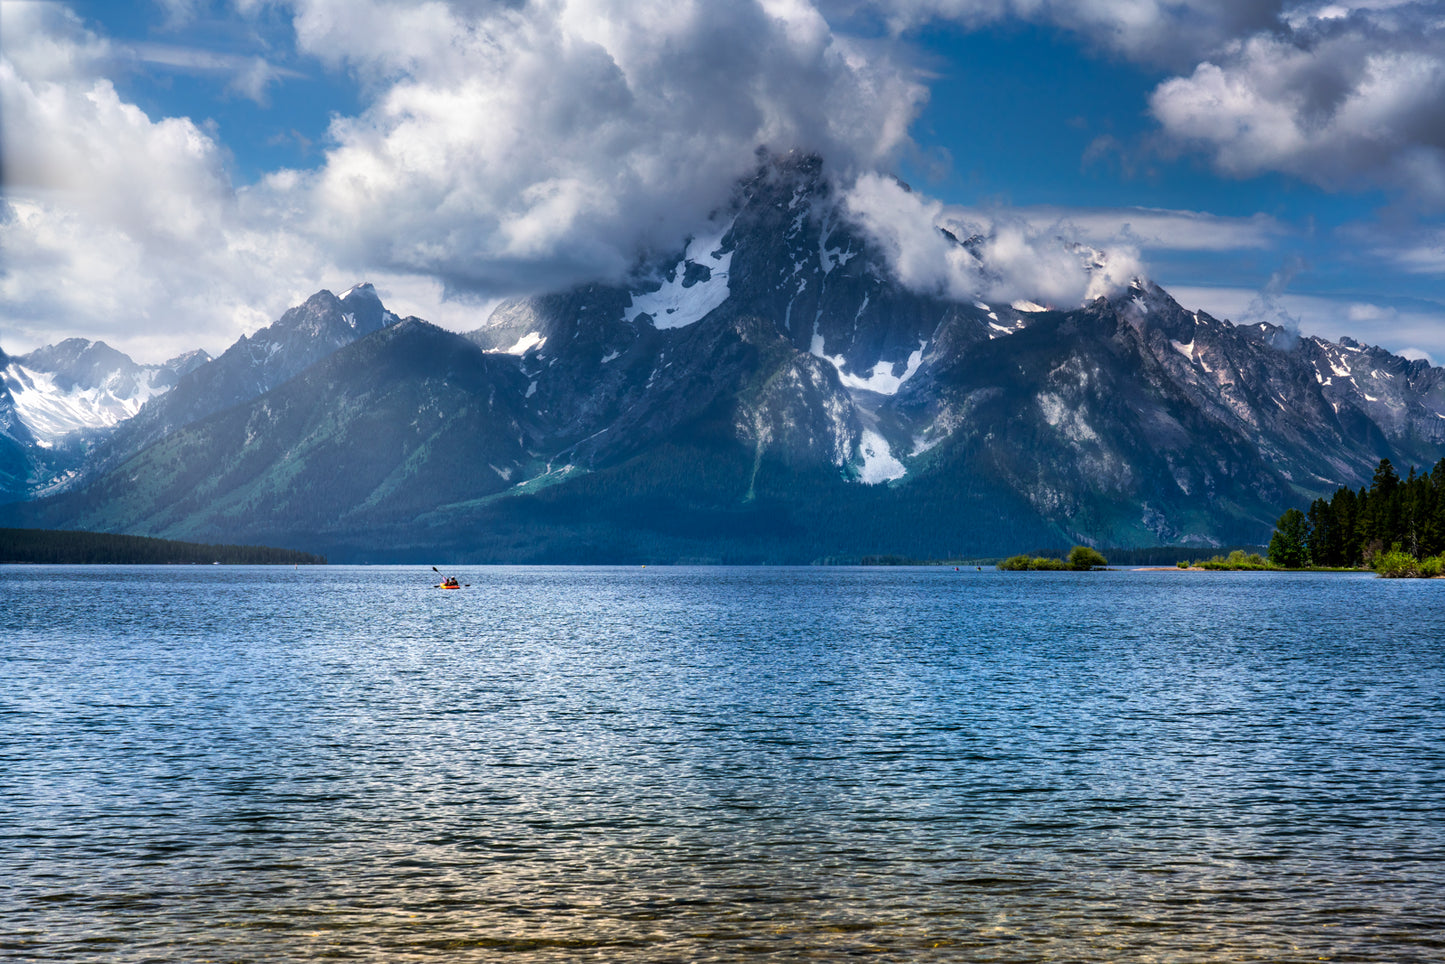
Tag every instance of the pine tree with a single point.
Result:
(1346, 510)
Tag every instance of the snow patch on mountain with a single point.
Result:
(830, 258)
(685, 298)
(526, 343)
(362, 290)
(879, 465)
(880, 378)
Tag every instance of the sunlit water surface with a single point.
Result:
(250, 764)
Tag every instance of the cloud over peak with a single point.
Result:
(560, 140)
(502, 148)
(1010, 257)
(497, 147)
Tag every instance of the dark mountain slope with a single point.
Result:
(253, 365)
(403, 421)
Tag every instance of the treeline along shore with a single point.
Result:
(1393, 517)
(105, 548)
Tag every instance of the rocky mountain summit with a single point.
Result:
(251, 367)
(770, 392)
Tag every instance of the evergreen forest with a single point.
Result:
(1391, 517)
(59, 546)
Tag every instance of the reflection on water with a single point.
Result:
(720, 764)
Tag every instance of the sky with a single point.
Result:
(176, 173)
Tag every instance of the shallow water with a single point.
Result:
(671, 764)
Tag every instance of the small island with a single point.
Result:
(1080, 559)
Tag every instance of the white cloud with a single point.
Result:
(1418, 251)
(906, 227)
(118, 226)
(558, 141)
(1154, 229)
(1017, 257)
(509, 146)
(505, 147)
(1340, 97)
(251, 77)
(1345, 95)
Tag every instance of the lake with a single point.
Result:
(719, 764)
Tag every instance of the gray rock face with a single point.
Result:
(871, 379)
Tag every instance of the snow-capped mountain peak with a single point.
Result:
(362, 289)
(79, 385)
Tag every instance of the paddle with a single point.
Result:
(465, 585)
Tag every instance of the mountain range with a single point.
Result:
(769, 393)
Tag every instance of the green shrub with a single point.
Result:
(1183, 563)
(1083, 558)
(1396, 564)
(1236, 561)
(1037, 563)
(1432, 566)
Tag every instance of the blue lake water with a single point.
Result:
(672, 764)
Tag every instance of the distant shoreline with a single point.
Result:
(72, 547)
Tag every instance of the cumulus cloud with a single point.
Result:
(506, 147)
(1342, 95)
(1016, 258)
(503, 148)
(1153, 31)
(1345, 94)
(560, 140)
(117, 226)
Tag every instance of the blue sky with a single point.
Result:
(178, 172)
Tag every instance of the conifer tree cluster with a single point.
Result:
(107, 548)
(1353, 528)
